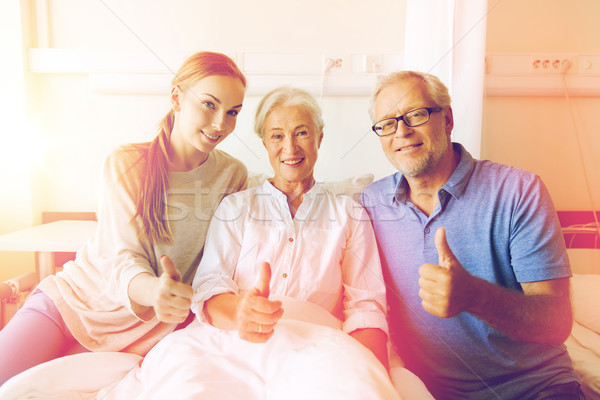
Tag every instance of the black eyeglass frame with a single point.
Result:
(429, 111)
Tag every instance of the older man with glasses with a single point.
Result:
(475, 262)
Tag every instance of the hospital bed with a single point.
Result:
(77, 376)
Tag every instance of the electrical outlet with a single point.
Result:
(551, 63)
(335, 64)
(371, 63)
(589, 64)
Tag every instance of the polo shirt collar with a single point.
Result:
(460, 177)
(400, 189)
(455, 185)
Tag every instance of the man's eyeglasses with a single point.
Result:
(412, 118)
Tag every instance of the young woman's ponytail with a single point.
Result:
(152, 203)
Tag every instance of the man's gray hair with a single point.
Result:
(433, 85)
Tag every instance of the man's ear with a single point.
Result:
(175, 98)
(449, 120)
(320, 140)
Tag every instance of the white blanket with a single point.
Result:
(307, 358)
(75, 377)
(583, 346)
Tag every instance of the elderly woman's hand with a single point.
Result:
(256, 315)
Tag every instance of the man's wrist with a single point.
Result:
(480, 296)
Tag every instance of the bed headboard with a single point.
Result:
(580, 229)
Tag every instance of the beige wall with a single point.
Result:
(540, 133)
(543, 26)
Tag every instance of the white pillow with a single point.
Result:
(255, 179)
(586, 300)
(351, 187)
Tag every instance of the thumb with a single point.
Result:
(264, 280)
(169, 268)
(445, 254)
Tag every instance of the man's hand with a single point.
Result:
(539, 314)
(445, 288)
(172, 298)
(256, 315)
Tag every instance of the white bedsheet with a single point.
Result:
(307, 358)
(583, 346)
(75, 377)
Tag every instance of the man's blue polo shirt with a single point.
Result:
(501, 225)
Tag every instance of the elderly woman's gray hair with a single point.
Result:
(287, 96)
(434, 86)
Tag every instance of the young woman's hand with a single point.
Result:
(172, 298)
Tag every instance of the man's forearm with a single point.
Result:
(536, 316)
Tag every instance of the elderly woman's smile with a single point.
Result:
(293, 162)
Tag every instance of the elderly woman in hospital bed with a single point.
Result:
(283, 263)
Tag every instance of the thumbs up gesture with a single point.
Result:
(256, 315)
(263, 287)
(172, 298)
(445, 288)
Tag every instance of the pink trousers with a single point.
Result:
(35, 334)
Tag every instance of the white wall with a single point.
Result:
(82, 125)
(259, 25)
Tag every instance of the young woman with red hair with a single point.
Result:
(129, 286)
